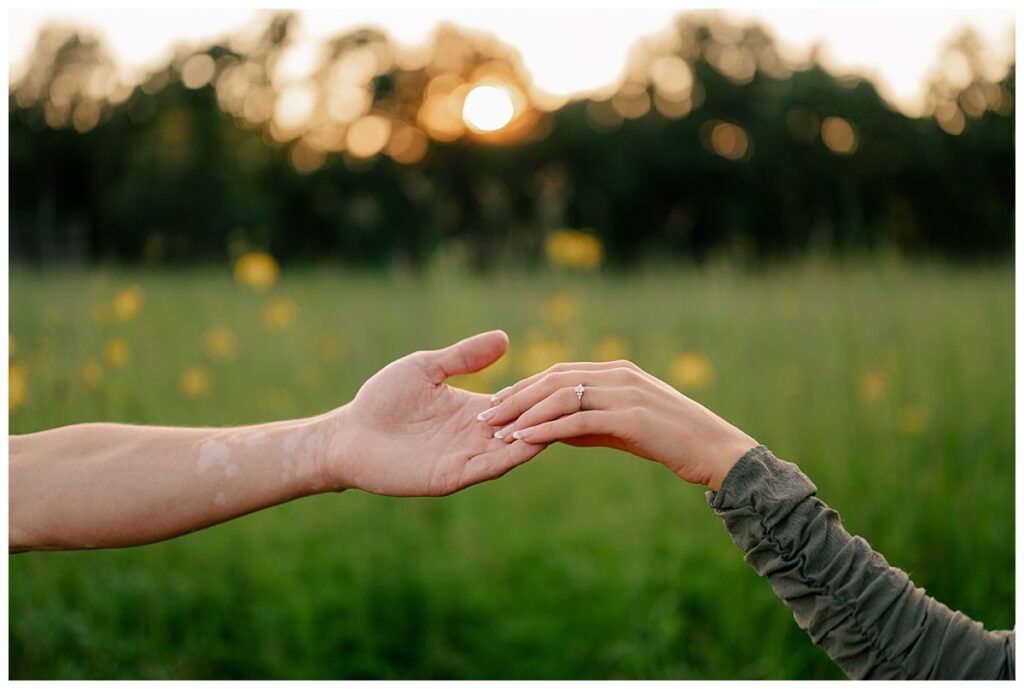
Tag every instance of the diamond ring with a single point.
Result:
(579, 394)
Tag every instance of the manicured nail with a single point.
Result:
(484, 415)
(525, 433)
(496, 397)
(503, 433)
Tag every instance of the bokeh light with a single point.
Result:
(118, 352)
(17, 385)
(570, 248)
(91, 374)
(128, 302)
(197, 71)
(256, 270)
(488, 108)
(194, 382)
(838, 135)
(367, 136)
(729, 140)
(220, 342)
(691, 371)
(279, 313)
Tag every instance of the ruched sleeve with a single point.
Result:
(869, 617)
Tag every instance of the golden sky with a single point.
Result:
(567, 52)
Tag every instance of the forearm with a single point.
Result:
(869, 617)
(111, 485)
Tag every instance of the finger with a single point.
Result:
(597, 422)
(466, 356)
(497, 463)
(557, 368)
(561, 402)
(512, 406)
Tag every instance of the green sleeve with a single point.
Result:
(869, 617)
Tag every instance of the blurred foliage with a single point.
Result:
(710, 144)
(585, 563)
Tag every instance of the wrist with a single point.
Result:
(334, 460)
(726, 453)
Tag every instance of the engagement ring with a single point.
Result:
(579, 394)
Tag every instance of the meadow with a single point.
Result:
(890, 384)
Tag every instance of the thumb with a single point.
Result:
(466, 356)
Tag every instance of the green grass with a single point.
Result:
(581, 564)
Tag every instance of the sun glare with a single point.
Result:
(488, 108)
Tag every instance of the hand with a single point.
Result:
(623, 407)
(407, 433)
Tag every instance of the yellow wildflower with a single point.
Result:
(256, 270)
(279, 313)
(691, 371)
(610, 348)
(498, 368)
(220, 342)
(118, 352)
(128, 302)
(574, 249)
(91, 373)
(560, 309)
(17, 385)
(331, 349)
(913, 419)
(873, 385)
(194, 382)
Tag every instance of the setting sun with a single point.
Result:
(488, 108)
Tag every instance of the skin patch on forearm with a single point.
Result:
(211, 452)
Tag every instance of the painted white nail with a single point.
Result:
(484, 415)
(498, 435)
(496, 397)
(524, 433)
(503, 433)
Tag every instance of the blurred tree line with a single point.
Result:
(710, 144)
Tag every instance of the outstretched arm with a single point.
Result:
(406, 433)
(869, 617)
(104, 485)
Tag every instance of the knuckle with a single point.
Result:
(633, 394)
(632, 416)
(625, 374)
(511, 403)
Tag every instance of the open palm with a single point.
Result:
(407, 433)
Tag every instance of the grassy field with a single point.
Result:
(891, 386)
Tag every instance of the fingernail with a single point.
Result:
(525, 433)
(503, 433)
(484, 415)
(496, 397)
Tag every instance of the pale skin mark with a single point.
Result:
(406, 433)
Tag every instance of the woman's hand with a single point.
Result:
(407, 433)
(622, 407)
